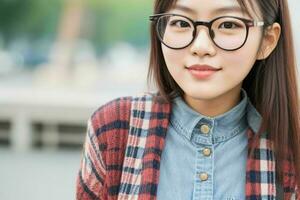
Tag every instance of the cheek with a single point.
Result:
(237, 60)
(237, 67)
(173, 59)
(241, 61)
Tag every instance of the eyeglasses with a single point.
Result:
(227, 32)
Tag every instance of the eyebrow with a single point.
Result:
(216, 11)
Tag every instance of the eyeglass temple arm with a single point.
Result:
(155, 17)
(256, 23)
(152, 18)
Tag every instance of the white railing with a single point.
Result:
(23, 107)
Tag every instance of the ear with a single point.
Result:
(269, 41)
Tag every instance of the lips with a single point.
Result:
(202, 71)
(203, 68)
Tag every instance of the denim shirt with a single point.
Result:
(205, 158)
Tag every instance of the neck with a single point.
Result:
(216, 106)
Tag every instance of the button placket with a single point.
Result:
(204, 164)
(204, 172)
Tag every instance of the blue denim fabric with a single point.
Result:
(183, 161)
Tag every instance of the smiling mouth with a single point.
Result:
(202, 72)
(203, 67)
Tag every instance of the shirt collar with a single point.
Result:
(188, 121)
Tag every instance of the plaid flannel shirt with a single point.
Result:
(124, 143)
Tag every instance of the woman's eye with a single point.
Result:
(229, 25)
(180, 23)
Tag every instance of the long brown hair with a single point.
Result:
(271, 84)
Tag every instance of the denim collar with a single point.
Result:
(187, 121)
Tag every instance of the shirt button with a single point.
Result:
(203, 176)
(206, 152)
(205, 129)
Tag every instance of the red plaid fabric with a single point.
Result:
(124, 143)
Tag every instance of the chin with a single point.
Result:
(202, 95)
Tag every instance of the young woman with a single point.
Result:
(224, 123)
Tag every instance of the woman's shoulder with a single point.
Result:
(118, 110)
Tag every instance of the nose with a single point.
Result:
(203, 44)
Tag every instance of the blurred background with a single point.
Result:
(59, 61)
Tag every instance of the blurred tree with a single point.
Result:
(105, 21)
(11, 12)
(113, 21)
(29, 18)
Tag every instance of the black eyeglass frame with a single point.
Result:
(248, 23)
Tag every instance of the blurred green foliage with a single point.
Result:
(105, 22)
(32, 19)
(120, 20)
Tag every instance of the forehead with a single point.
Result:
(210, 8)
(211, 2)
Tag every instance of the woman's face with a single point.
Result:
(234, 65)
